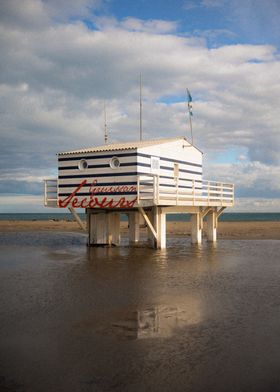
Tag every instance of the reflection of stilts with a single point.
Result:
(156, 321)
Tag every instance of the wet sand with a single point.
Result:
(186, 319)
(226, 230)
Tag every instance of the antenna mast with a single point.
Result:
(105, 124)
(140, 114)
(190, 111)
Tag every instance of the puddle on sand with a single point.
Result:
(159, 321)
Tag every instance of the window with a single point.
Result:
(176, 170)
(83, 165)
(115, 163)
(155, 165)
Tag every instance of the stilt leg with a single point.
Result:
(212, 226)
(104, 228)
(98, 229)
(196, 230)
(161, 230)
(134, 226)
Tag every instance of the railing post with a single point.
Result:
(208, 192)
(157, 189)
(193, 191)
(45, 193)
(222, 192)
(57, 193)
(138, 190)
(154, 189)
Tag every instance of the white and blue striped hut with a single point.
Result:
(148, 178)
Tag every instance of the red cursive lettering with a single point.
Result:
(64, 203)
(98, 202)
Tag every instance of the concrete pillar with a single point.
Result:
(212, 226)
(196, 229)
(104, 228)
(134, 226)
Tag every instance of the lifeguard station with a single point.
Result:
(147, 179)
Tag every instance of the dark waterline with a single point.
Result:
(135, 319)
(226, 217)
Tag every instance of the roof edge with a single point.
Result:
(133, 145)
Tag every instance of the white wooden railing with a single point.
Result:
(151, 192)
(148, 188)
(50, 192)
(205, 193)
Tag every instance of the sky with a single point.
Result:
(61, 59)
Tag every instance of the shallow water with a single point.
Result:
(189, 318)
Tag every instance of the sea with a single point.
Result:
(189, 318)
(226, 217)
(185, 319)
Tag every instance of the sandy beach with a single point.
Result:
(227, 230)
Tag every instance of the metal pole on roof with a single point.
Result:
(105, 125)
(190, 111)
(140, 114)
(190, 119)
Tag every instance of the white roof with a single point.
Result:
(126, 146)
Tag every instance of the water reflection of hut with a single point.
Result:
(156, 321)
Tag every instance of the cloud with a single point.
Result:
(257, 18)
(22, 204)
(212, 34)
(62, 10)
(192, 4)
(249, 204)
(26, 14)
(31, 15)
(251, 179)
(56, 74)
(254, 21)
(213, 3)
(149, 26)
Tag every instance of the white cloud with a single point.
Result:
(149, 26)
(63, 9)
(257, 17)
(251, 179)
(38, 14)
(213, 3)
(248, 204)
(23, 14)
(24, 204)
(190, 5)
